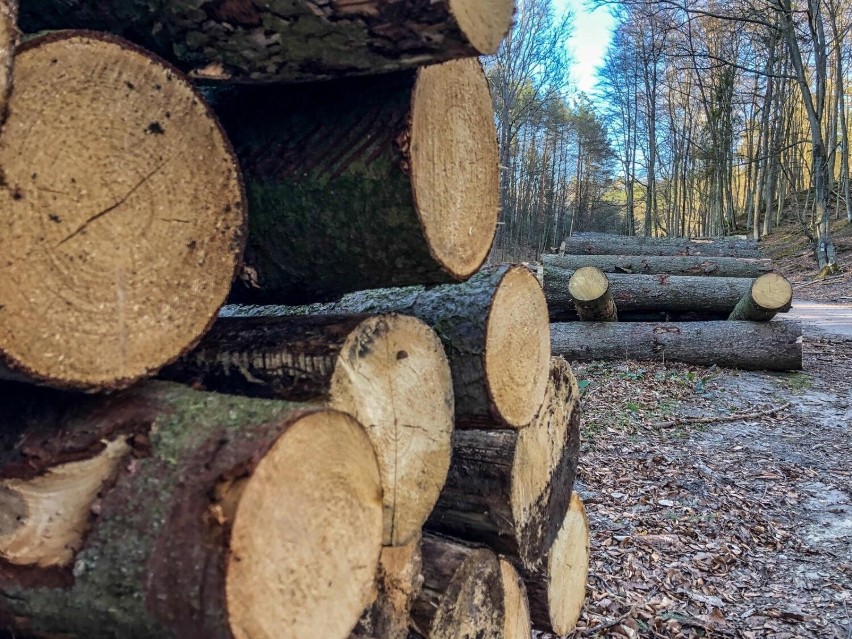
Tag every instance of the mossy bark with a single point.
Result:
(271, 40)
(152, 564)
(331, 200)
(458, 313)
(772, 346)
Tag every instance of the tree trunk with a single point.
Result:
(388, 371)
(8, 43)
(605, 244)
(399, 581)
(772, 346)
(648, 293)
(769, 295)
(118, 244)
(462, 594)
(589, 288)
(556, 583)
(669, 265)
(494, 328)
(398, 188)
(157, 512)
(510, 489)
(266, 41)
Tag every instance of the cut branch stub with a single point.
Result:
(162, 511)
(297, 40)
(388, 371)
(122, 209)
(399, 188)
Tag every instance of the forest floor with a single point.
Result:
(720, 501)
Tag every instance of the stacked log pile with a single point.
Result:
(395, 459)
(697, 301)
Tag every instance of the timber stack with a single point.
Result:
(385, 445)
(669, 299)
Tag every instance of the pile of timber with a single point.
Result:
(396, 458)
(700, 301)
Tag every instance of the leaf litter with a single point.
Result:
(735, 527)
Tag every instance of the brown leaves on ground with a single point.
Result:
(736, 529)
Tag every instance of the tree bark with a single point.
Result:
(589, 288)
(118, 244)
(510, 489)
(664, 264)
(494, 328)
(399, 581)
(388, 371)
(605, 244)
(769, 295)
(157, 511)
(399, 188)
(462, 594)
(651, 293)
(265, 41)
(556, 583)
(8, 42)
(772, 346)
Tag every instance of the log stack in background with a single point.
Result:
(277, 486)
(695, 301)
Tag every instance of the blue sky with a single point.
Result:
(588, 44)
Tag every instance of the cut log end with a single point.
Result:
(457, 199)
(462, 593)
(546, 462)
(274, 583)
(568, 569)
(517, 347)
(123, 213)
(484, 22)
(589, 287)
(393, 376)
(772, 292)
(516, 607)
(588, 284)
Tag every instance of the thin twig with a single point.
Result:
(718, 419)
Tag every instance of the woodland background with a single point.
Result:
(710, 118)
